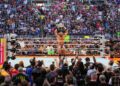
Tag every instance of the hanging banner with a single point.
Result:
(2, 50)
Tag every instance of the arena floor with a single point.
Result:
(49, 59)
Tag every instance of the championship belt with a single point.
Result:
(61, 29)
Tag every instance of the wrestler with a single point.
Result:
(60, 34)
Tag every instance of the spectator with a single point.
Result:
(115, 80)
(14, 71)
(6, 69)
(65, 69)
(69, 81)
(59, 78)
(20, 77)
(100, 70)
(29, 70)
(51, 75)
(73, 64)
(87, 62)
(39, 74)
(108, 74)
(23, 83)
(102, 79)
(91, 70)
(78, 72)
(93, 80)
(111, 64)
(2, 78)
(7, 81)
(21, 64)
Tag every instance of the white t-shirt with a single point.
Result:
(48, 48)
(22, 43)
(91, 71)
(9, 53)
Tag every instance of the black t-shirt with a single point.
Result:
(103, 84)
(108, 75)
(71, 67)
(20, 77)
(92, 83)
(60, 80)
(39, 76)
(40, 81)
(65, 70)
(81, 67)
(36, 73)
(98, 81)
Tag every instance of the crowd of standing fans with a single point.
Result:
(26, 19)
(60, 73)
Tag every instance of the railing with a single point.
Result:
(69, 51)
(57, 44)
(81, 46)
(38, 46)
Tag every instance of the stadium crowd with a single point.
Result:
(26, 19)
(60, 73)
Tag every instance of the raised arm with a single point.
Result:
(94, 60)
(66, 32)
(56, 32)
